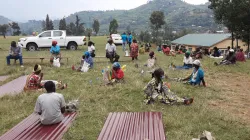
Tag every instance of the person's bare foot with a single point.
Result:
(189, 101)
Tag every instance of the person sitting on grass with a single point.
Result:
(134, 50)
(240, 56)
(151, 61)
(35, 80)
(15, 52)
(198, 53)
(88, 59)
(50, 106)
(91, 48)
(111, 51)
(81, 64)
(55, 51)
(216, 52)
(117, 73)
(197, 76)
(156, 89)
(166, 50)
(230, 59)
(187, 60)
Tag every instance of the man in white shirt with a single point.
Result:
(111, 51)
(187, 60)
(50, 106)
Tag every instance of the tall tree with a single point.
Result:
(89, 32)
(16, 28)
(113, 26)
(62, 24)
(47, 23)
(44, 26)
(71, 29)
(4, 29)
(157, 20)
(77, 23)
(51, 26)
(96, 26)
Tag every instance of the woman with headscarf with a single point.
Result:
(156, 89)
(55, 51)
(134, 50)
(88, 59)
(35, 80)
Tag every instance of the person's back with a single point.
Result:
(50, 105)
(124, 38)
(240, 56)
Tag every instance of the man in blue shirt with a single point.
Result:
(197, 77)
(55, 51)
(15, 52)
(124, 41)
(130, 39)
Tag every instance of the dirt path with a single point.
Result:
(235, 94)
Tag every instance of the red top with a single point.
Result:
(134, 50)
(34, 81)
(240, 56)
(166, 50)
(118, 74)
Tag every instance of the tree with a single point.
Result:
(47, 23)
(113, 26)
(16, 28)
(4, 29)
(71, 29)
(96, 26)
(43, 25)
(79, 26)
(62, 24)
(89, 32)
(157, 21)
(51, 26)
(227, 12)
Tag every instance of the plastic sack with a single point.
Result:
(127, 53)
(56, 62)
(85, 67)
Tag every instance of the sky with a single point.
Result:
(23, 10)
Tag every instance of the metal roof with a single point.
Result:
(31, 129)
(206, 40)
(14, 87)
(133, 126)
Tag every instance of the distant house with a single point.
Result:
(207, 41)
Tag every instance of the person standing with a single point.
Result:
(15, 52)
(130, 39)
(124, 41)
(134, 50)
(111, 51)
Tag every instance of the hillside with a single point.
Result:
(4, 20)
(179, 15)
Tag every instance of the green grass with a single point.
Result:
(180, 122)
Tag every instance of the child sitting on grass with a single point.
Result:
(116, 75)
(151, 61)
(156, 89)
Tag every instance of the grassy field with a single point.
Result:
(218, 108)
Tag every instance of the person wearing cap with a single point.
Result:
(124, 41)
(55, 51)
(151, 61)
(91, 48)
(117, 73)
(230, 59)
(240, 56)
(15, 52)
(88, 59)
(111, 51)
(157, 89)
(197, 76)
(187, 60)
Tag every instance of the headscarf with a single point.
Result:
(151, 54)
(87, 54)
(116, 65)
(54, 43)
(38, 68)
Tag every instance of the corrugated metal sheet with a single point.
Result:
(32, 129)
(206, 40)
(14, 87)
(2, 78)
(133, 126)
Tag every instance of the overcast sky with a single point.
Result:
(22, 10)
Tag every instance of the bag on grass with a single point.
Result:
(56, 62)
(85, 67)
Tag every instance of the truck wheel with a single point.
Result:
(32, 47)
(72, 46)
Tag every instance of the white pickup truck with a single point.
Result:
(44, 40)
